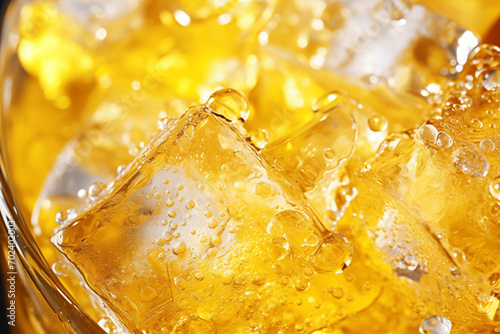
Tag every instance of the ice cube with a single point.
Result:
(393, 42)
(200, 232)
(428, 201)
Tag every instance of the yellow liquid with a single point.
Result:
(109, 89)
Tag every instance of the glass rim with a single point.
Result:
(14, 223)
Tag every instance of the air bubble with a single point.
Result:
(60, 268)
(491, 80)
(180, 283)
(427, 134)
(377, 123)
(338, 293)
(279, 248)
(470, 161)
(495, 188)
(259, 138)
(230, 104)
(329, 154)
(147, 294)
(95, 190)
(410, 262)
(329, 101)
(301, 284)
(333, 255)
(487, 145)
(62, 217)
(435, 325)
(239, 156)
(444, 140)
(263, 189)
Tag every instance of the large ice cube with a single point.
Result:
(376, 41)
(201, 233)
(429, 200)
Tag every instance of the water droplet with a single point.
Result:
(427, 134)
(190, 205)
(491, 80)
(470, 161)
(487, 145)
(95, 190)
(60, 268)
(444, 140)
(167, 236)
(259, 138)
(333, 255)
(230, 104)
(435, 325)
(179, 248)
(227, 277)
(495, 188)
(410, 262)
(476, 124)
(216, 240)
(377, 123)
(172, 214)
(198, 275)
(213, 223)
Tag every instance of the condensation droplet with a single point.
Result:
(435, 325)
(259, 138)
(230, 104)
(377, 123)
(443, 140)
(427, 134)
(487, 145)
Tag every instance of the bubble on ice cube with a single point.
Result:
(427, 134)
(491, 80)
(470, 161)
(435, 325)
